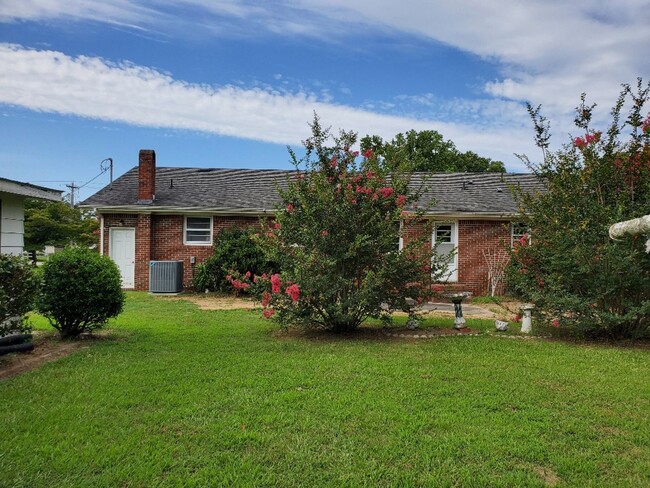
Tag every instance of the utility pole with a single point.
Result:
(72, 187)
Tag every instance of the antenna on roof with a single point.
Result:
(104, 167)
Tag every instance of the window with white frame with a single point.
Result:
(198, 231)
(518, 231)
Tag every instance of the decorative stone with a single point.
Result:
(412, 323)
(501, 325)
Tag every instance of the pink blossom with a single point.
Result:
(248, 274)
(268, 313)
(353, 201)
(276, 283)
(240, 285)
(579, 142)
(334, 161)
(289, 208)
(555, 323)
(400, 200)
(591, 138)
(293, 292)
(266, 299)
(324, 232)
(386, 191)
(276, 226)
(228, 278)
(367, 153)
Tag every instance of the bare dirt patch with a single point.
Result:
(47, 347)
(209, 301)
(214, 301)
(546, 475)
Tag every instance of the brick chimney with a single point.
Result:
(147, 176)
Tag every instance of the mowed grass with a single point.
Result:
(177, 396)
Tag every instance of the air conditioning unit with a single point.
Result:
(165, 276)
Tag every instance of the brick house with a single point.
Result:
(169, 213)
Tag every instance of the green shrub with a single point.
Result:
(235, 249)
(18, 288)
(81, 290)
(579, 278)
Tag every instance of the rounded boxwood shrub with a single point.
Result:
(18, 288)
(81, 290)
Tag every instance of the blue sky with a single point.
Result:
(228, 83)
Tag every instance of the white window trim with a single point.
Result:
(193, 243)
(515, 237)
(453, 276)
(400, 246)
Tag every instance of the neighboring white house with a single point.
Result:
(12, 211)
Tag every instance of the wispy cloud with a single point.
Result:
(91, 87)
(547, 51)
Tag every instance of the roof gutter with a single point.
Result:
(261, 212)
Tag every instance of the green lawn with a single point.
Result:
(178, 396)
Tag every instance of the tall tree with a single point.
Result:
(57, 224)
(427, 150)
(336, 237)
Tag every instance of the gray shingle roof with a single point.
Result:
(250, 190)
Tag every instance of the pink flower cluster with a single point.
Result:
(293, 292)
(580, 142)
(385, 192)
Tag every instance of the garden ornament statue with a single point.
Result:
(457, 300)
(527, 320)
(635, 227)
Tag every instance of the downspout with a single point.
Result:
(101, 235)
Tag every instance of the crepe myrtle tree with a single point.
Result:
(577, 277)
(335, 236)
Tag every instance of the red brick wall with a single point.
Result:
(160, 238)
(474, 236)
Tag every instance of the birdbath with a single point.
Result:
(527, 320)
(457, 300)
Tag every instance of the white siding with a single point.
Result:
(12, 217)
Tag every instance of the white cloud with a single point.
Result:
(548, 52)
(91, 87)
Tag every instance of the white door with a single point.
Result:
(122, 251)
(446, 235)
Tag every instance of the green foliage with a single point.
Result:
(577, 277)
(234, 250)
(57, 224)
(336, 238)
(428, 151)
(18, 287)
(81, 290)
